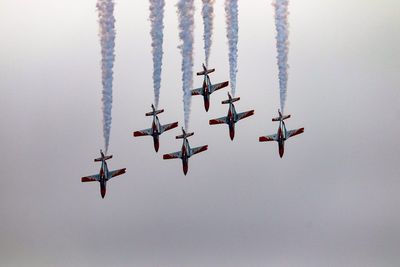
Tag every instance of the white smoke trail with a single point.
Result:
(282, 46)
(107, 37)
(157, 28)
(186, 26)
(208, 16)
(232, 28)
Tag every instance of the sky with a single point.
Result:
(331, 201)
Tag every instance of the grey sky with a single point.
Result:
(331, 201)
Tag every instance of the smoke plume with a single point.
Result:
(282, 46)
(208, 16)
(232, 27)
(157, 28)
(186, 26)
(107, 37)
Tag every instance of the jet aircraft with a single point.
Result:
(156, 128)
(232, 116)
(186, 151)
(282, 135)
(207, 89)
(104, 174)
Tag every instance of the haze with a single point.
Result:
(331, 201)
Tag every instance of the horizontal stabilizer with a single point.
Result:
(184, 135)
(155, 112)
(105, 158)
(204, 72)
(230, 100)
(281, 118)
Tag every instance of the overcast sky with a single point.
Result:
(333, 200)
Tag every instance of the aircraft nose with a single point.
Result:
(281, 151)
(232, 134)
(206, 105)
(156, 146)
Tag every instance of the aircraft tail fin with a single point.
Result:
(205, 71)
(105, 158)
(184, 135)
(155, 112)
(231, 100)
(281, 118)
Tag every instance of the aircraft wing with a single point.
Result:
(173, 155)
(218, 121)
(294, 132)
(91, 178)
(116, 172)
(199, 149)
(272, 137)
(197, 91)
(143, 132)
(170, 126)
(245, 114)
(218, 86)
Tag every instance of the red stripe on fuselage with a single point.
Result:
(185, 166)
(206, 103)
(281, 149)
(232, 131)
(102, 189)
(156, 142)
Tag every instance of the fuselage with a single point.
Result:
(282, 134)
(206, 91)
(232, 119)
(156, 131)
(185, 155)
(103, 178)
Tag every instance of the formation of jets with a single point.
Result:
(186, 151)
